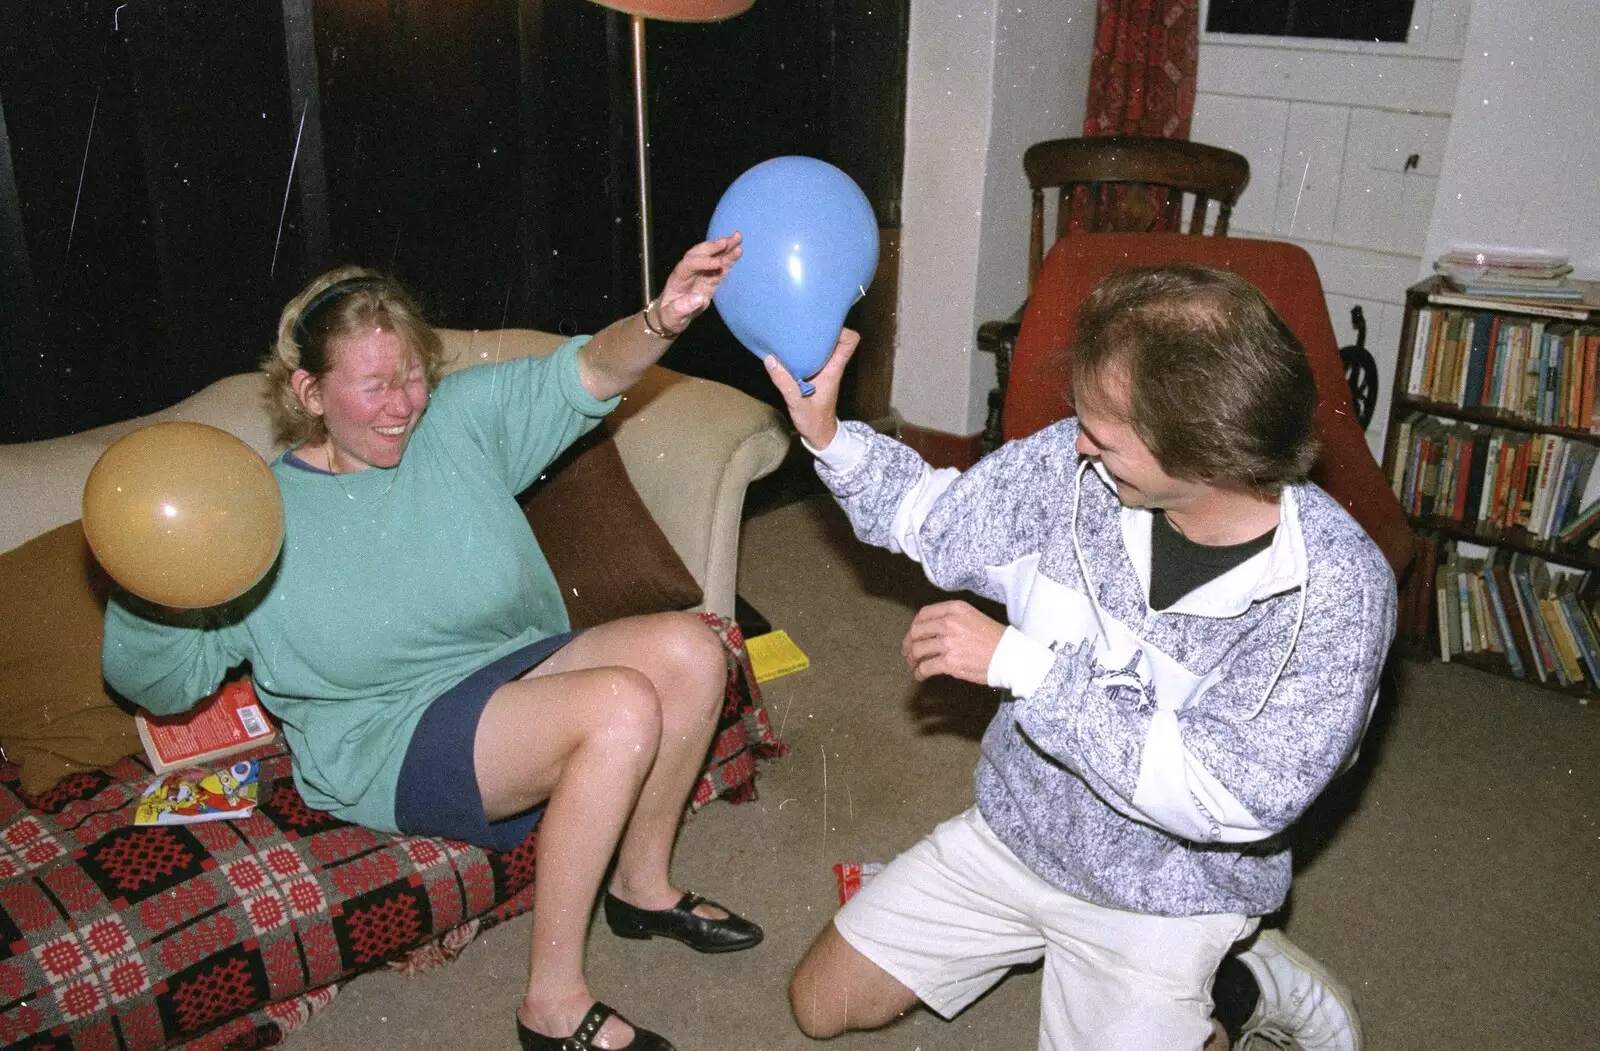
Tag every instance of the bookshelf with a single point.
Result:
(1492, 450)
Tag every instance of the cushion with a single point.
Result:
(607, 553)
(56, 716)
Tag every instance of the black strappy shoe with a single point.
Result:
(683, 924)
(582, 1038)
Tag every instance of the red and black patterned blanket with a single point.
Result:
(228, 935)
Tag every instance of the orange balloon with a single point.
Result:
(183, 514)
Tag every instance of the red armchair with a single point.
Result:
(1039, 388)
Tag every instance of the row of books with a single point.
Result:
(1538, 616)
(1533, 368)
(1493, 478)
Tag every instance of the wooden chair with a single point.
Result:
(1113, 184)
(1129, 184)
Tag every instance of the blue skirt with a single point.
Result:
(438, 794)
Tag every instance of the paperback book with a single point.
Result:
(225, 723)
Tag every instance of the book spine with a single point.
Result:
(1588, 637)
(1571, 618)
(1522, 591)
(1503, 614)
(1443, 588)
(1404, 451)
(1419, 352)
(1565, 645)
(1489, 478)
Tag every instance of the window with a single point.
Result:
(1381, 20)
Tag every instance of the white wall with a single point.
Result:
(1327, 126)
(1522, 167)
(985, 79)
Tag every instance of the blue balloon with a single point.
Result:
(810, 250)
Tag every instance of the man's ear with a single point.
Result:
(308, 389)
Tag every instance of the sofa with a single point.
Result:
(233, 933)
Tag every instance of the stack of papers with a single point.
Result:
(1511, 272)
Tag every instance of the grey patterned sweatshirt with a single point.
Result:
(1145, 760)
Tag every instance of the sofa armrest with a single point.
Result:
(41, 482)
(691, 447)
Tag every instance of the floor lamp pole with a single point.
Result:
(641, 131)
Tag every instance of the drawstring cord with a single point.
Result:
(1094, 601)
(1294, 640)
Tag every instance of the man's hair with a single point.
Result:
(1218, 387)
(334, 306)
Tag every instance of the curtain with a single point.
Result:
(1141, 81)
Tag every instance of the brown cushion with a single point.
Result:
(608, 554)
(56, 717)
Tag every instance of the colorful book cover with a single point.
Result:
(179, 799)
(224, 723)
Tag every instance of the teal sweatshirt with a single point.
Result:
(393, 585)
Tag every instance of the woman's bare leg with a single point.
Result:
(612, 731)
(687, 665)
(584, 741)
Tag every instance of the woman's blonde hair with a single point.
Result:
(338, 304)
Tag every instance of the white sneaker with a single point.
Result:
(1302, 1005)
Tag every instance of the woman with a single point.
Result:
(413, 644)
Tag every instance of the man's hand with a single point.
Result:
(816, 417)
(954, 639)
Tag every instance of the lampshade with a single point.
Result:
(680, 10)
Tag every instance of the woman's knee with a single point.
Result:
(695, 653)
(628, 713)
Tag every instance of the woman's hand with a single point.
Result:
(954, 639)
(618, 355)
(694, 281)
(815, 417)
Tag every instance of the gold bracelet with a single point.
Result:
(661, 332)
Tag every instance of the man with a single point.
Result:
(1195, 634)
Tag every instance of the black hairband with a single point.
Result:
(334, 292)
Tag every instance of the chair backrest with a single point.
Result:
(1129, 184)
(1039, 391)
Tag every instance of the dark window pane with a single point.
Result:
(1381, 20)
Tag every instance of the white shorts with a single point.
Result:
(949, 917)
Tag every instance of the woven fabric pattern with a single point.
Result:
(231, 934)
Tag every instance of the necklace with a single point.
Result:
(327, 455)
